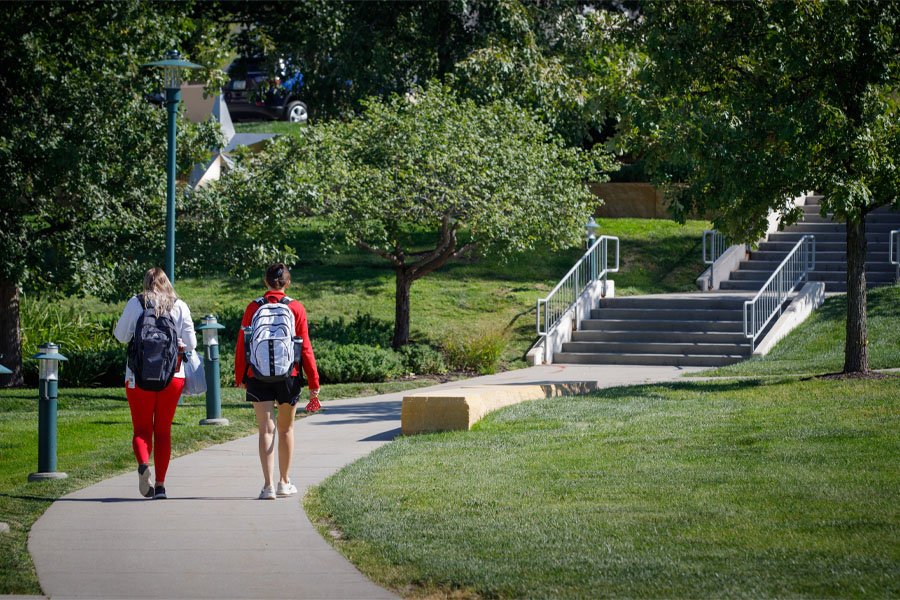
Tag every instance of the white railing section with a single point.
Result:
(592, 266)
(713, 246)
(894, 251)
(767, 303)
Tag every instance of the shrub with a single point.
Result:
(94, 356)
(422, 359)
(363, 329)
(355, 362)
(479, 351)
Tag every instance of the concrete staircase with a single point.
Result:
(831, 251)
(706, 328)
(691, 329)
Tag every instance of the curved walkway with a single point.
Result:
(213, 539)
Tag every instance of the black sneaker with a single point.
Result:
(145, 485)
(160, 493)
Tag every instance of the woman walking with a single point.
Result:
(158, 329)
(264, 386)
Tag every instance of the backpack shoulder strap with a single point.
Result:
(286, 300)
(140, 299)
(261, 300)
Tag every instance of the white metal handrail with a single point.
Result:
(767, 303)
(713, 245)
(590, 267)
(894, 251)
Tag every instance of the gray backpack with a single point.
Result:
(269, 346)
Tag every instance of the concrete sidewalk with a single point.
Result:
(213, 539)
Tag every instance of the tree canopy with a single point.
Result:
(469, 177)
(744, 105)
(560, 59)
(82, 150)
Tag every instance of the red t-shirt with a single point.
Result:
(308, 359)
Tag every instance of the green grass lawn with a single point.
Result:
(460, 299)
(771, 485)
(94, 443)
(817, 346)
(750, 488)
(279, 127)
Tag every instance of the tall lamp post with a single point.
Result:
(172, 66)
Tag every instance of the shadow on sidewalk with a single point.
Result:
(385, 436)
(368, 412)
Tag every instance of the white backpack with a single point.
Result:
(270, 351)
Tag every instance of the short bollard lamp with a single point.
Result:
(172, 67)
(48, 386)
(210, 329)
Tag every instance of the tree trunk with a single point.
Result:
(856, 350)
(10, 335)
(401, 313)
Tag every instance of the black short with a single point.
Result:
(283, 392)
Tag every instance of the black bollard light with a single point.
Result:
(48, 387)
(210, 329)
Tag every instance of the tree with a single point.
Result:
(564, 60)
(487, 178)
(347, 51)
(558, 58)
(744, 105)
(82, 150)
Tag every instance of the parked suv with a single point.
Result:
(252, 94)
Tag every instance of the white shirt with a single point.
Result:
(180, 314)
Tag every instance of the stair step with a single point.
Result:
(666, 314)
(821, 265)
(786, 246)
(684, 349)
(829, 227)
(825, 237)
(731, 326)
(656, 336)
(613, 358)
(821, 257)
(698, 301)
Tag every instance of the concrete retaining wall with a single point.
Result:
(809, 298)
(459, 409)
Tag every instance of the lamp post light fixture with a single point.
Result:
(172, 66)
(48, 386)
(210, 329)
(591, 236)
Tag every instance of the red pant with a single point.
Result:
(151, 416)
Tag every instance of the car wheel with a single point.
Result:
(295, 112)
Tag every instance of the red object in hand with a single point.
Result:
(313, 405)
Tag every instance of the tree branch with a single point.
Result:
(382, 253)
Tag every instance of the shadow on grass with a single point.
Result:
(717, 385)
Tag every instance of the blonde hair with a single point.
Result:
(159, 291)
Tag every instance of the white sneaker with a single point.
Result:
(267, 493)
(286, 489)
(145, 484)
